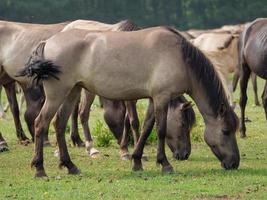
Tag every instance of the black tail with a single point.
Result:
(40, 69)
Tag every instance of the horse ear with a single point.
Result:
(186, 105)
(222, 110)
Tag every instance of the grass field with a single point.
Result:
(107, 177)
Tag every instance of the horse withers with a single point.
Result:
(155, 63)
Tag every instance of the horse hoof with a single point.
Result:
(40, 174)
(93, 153)
(136, 168)
(167, 169)
(74, 170)
(242, 135)
(47, 144)
(3, 147)
(82, 144)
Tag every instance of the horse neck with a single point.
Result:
(199, 95)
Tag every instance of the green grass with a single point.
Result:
(107, 177)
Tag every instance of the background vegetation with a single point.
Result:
(183, 14)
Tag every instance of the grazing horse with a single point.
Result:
(156, 63)
(117, 115)
(252, 58)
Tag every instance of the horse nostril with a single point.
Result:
(186, 156)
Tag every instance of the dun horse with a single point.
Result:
(156, 63)
(252, 58)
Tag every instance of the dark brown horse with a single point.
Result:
(122, 116)
(252, 58)
(155, 63)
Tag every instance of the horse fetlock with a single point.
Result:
(137, 165)
(125, 155)
(167, 169)
(76, 140)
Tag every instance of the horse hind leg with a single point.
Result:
(60, 124)
(255, 88)
(87, 100)
(54, 98)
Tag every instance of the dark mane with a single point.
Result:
(204, 72)
(188, 115)
(128, 25)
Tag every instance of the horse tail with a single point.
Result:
(38, 67)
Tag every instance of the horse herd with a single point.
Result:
(61, 67)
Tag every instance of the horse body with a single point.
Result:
(96, 46)
(163, 65)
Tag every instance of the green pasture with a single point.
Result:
(108, 177)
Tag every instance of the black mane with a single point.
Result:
(128, 25)
(205, 74)
(188, 115)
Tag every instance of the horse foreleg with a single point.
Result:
(87, 100)
(133, 117)
(255, 88)
(235, 80)
(124, 152)
(264, 99)
(2, 111)
(12, 99)
(60, 124)
(244, 77)
(160, 109)
(147, 128)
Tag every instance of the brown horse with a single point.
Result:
(16, 40)
(252, 58)
(121, 116)
(156, 63)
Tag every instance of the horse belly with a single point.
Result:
(117, 83)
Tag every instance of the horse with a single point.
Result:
(16, 40)
(252, 58)
(156, 63)
(120, 116)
